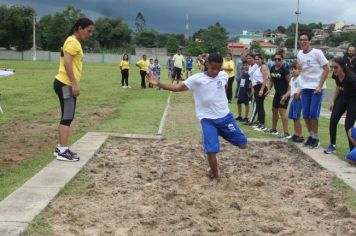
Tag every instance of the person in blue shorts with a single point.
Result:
(295, 108)
(211, 107)
(314, 72)
(189, 65)
(351, 156)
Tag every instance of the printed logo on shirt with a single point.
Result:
(219, 84)
(308, 62)
(231, 127)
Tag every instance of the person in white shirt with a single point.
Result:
(211, 107)
(314, 71)
(296, 105)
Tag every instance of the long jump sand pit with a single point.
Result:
(160, 187)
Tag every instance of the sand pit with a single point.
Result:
(145, 187)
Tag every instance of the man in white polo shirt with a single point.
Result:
(211, 107)
(314, 71)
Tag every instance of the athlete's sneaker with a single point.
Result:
(255, 125)
(297, 139)
(260, 128)
(271, 131)
(128, 86)
(308, 142)
(239, 118)
(67, 155)
(286, 135)
(56, 151)
(245, 120)
(330, 149)
(315, 143)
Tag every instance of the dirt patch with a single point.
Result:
(21, 140)
(138, 187)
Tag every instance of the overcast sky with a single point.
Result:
(235, 15)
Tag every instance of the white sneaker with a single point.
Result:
(124, 87)
(128, 86)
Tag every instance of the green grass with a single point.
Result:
(29, 94)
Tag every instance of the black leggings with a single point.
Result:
(341, 105)
(67, 100)
(229, 88)
(143, 74)
(125, 77)
(260, 108)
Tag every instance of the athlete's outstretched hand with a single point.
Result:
(152, 79)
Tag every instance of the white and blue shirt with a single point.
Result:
(189, 62)
(209, 95)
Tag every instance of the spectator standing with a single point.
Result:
(314, 72)
(143, 66)
(124, 68)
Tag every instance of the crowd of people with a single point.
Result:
(302, 82)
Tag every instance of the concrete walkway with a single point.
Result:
(19, 209)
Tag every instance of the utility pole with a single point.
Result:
(296, 29)
(34, 38)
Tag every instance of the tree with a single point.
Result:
(281, 29)
(213, 39)
(53, 29)
(172, 45)
(112, 33)
(147, 39)
(195, 48)
(140, 23)
(256, 49)
(16, 27)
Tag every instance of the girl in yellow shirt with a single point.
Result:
(66, 83)
(124, 67)
(229, 68)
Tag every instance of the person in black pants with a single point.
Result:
(343, 100)
(259, 82)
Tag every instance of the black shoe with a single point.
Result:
(315, 143)
(308, 142)
(297, 139)
(239, 118)
(245, 120)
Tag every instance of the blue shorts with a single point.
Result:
(295, 109)
(225, 127)
(352, 155)
(311, 103)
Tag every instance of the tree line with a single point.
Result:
(110, 35)
(114, 35)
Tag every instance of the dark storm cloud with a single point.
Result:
(234, 15)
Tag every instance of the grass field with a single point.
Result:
(28, 98)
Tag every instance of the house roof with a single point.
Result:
(237, 45)
(264, 44)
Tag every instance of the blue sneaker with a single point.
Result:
(330, 149)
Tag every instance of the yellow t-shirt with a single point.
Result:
(231, 65)
(74, 48)
(178, 60)
(124, 65)
(143, 64)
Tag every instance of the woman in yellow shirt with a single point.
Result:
(229, 68)
(66, 83)
(143, 65)
(124, 67)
